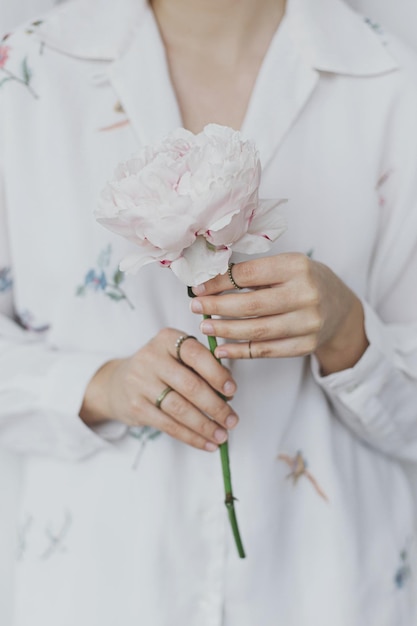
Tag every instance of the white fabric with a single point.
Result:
(12, 13)
(116, 528)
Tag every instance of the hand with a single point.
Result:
(126, 390)
(295, 307)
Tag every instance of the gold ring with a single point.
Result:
(250, 349)
(232, 280)
(162, 396)
(179, 343)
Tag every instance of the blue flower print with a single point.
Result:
(403, 573)
(28, 321)
(143, 434)
(6, 281)
(97, 279)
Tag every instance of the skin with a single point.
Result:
(126, 389)
(296, 307)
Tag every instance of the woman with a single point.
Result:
(121, 520)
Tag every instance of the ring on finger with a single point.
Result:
(179, 343)
(232, 280)
(162, 397)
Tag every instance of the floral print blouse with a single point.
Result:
(128, 526)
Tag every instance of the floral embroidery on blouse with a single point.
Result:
(27, 320)
(298, 467)
(403, 573)
(374, 25)
(25, 75)
(118, 108)
(98, 280)
(380, 187)
(56, 539)
(143, 434)
(377, 28)
(6, 281)
(22, 537)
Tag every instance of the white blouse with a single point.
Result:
(128, 526)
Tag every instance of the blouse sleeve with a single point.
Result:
(377, 398)
(42, 388)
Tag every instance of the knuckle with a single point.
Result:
(315, 322)
(164, 336)
(212, 305)
(190, 350)
(187, 436)
(173, 429)
(312, 297)
(246, 274)
(206, 428)
(196, 442)
(253, 306)
(219, 412)
(191, 386)
(260, 331)
(263, 351)
(176, 405)
(302, 263)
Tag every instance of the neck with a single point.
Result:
(213, 24)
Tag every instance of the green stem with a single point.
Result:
(23, 82)
(227, 479)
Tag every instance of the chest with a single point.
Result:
(211, 92)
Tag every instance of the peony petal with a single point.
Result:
(132, 263)
(200, 263)
(267, 221)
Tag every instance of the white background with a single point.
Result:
(398, 16)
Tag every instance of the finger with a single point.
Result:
(186, 414)
(199, 358)
(195, 398)
(294, 324)
(279, 299)
(279, 348)
(257, 273)
(159, 420)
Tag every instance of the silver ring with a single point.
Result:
(179, 343)
(250, 349)
(162, 396)
(232, 280)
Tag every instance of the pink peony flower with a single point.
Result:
(189, 202)
(4, 55)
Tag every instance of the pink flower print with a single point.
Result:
(4, 55)
(381, 187)
(298, 467)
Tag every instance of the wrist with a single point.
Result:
(348, 345)
(95, 408)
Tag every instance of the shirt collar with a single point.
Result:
(331, 36)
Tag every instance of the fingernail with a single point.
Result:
(196, 306)
(229, 388)
(206, 328)
(220, 435)
(210, 447)
(231, 421)
(221, 354)
(199, 290)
